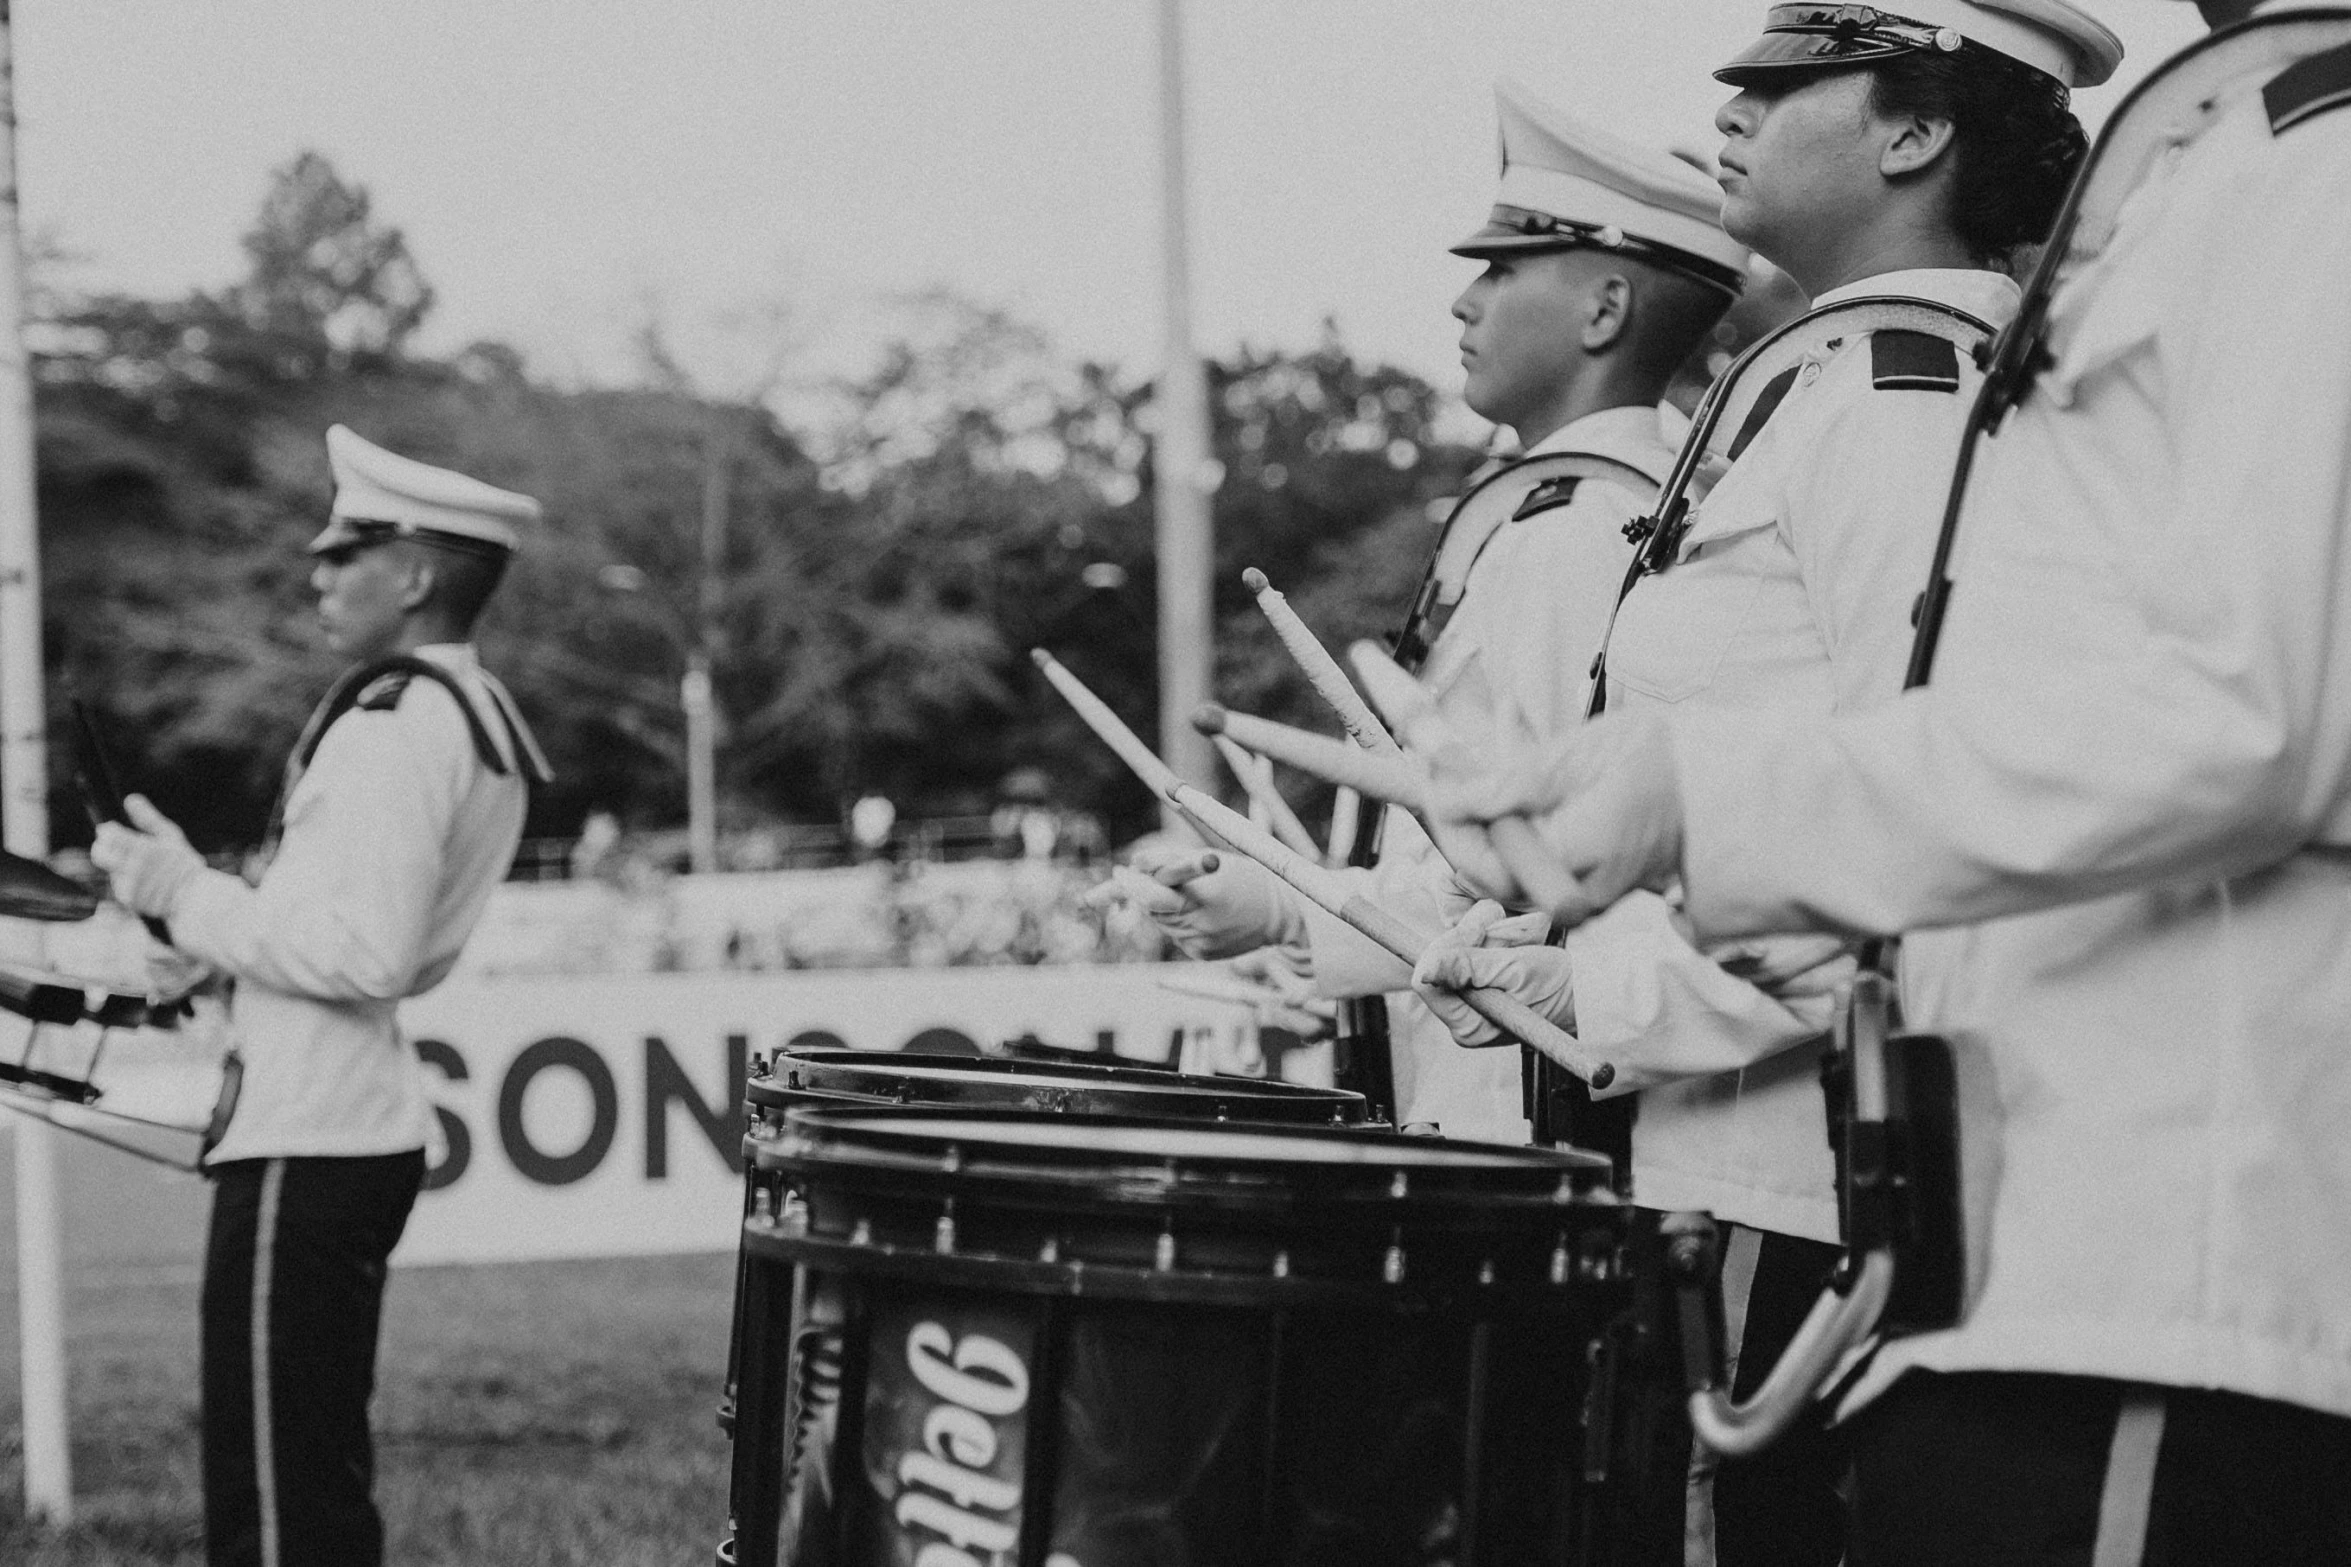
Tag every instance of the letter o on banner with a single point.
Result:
(546, 1055)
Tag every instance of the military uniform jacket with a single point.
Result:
(1517, 648)
(2143, 699)
(394, 836)
(1791, 592)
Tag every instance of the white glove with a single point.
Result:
(1288, 979)
(149, 862)
(1486, 951)
(1210, 904)
(1604, 797)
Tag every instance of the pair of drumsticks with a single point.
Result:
(1374, 764)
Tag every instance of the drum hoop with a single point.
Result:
(993, 1273)
(900, 1155)
(950, 1081)
(50, 997)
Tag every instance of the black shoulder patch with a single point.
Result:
(2308, 88)
(1767, 402)
(1913, 362)
(1547, 496)
(384, 692)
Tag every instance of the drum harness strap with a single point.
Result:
(1890, 1214)
(1512, 493)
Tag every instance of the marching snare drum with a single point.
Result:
(878, 1078)
(1109, 1342)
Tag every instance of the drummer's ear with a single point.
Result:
(424, 579)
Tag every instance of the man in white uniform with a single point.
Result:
(403, 806)
(1605, 266)
(2133, 771)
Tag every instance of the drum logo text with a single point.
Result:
(951, 1487)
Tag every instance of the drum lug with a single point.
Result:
(1163, 1255)
(943, 1237)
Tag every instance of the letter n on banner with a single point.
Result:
(666, 1083)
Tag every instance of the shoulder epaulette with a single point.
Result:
(383, 693)
(377, 688)
(1547, 496)
(2308, 88)
(1913, 362)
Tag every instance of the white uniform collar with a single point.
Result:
(449, 655)
(1632, 435)
(1989, 296)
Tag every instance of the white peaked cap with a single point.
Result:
(1566, 182)
(387, 490)
(2054, 37)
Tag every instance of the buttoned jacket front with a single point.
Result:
(395, 836)
(1791, 593)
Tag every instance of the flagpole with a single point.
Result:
(1185, 529)
(24, 827)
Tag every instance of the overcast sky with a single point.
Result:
(556, 163)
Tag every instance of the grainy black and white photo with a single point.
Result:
(1159, 783)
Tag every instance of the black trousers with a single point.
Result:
(293, 1296)
(2013, 1469)
(1784, 1507)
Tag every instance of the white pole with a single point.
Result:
(1185, 529)
(701, 764)
(24, 826)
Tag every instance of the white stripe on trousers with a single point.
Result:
(2129, 1493)
(1742, 1250)
(265, 1474)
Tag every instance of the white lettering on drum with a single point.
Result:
(961, 1435)
(950, 1377)
(938, 1555)
(964, 1487)
(921, 1511)
(974, 1513)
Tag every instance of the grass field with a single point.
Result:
(552, 1414)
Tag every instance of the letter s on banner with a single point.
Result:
(445, 1059)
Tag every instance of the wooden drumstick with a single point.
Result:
(1549, 885)
(1256, 776)
(1108, 727)
(1330, 682)
(1389, 776)
(1400, 937)
(1321, 887)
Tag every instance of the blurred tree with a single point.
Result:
(873, 592)
(328, 288)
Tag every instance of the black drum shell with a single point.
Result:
(1259, 1337)
(1083, 1088)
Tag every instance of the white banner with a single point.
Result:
(603, 1117)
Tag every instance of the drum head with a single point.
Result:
(1080, 1088)
(1129, 1160)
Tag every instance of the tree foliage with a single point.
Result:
(875, 584)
